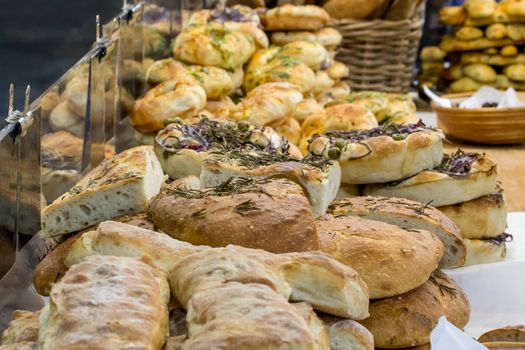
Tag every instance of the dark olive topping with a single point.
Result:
(458, 163)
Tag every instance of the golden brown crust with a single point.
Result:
(253, 219)
(291, 17)
(22, 328)
(107, 302)
(354, 9)
(504, 334)
(505, 345)
(390, 260)
(407, 320)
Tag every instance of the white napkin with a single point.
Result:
(483, 95)
(446, 336)
(507, 99)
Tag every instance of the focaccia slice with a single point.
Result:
(485, 251)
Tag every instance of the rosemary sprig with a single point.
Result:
(199, 214)
(230, 187)
(458, 163)
(245, 207)
(443, 288)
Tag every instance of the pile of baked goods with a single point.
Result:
(485, 47)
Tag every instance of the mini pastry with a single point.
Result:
(515, 72)
(468, 33)
(496, 31)
(480, 72)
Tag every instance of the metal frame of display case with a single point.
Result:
(101, 81)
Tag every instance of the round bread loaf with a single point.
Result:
(459, 178)
(390, 260)
(291, 17)
(505, 334)
(269, 214)
(407, 320)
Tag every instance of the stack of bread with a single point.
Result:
(486, 46)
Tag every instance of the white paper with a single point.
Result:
(446, 336)
(510, 100)
(484, 95)
(443, 102)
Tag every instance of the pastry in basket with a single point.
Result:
(407, 320)
(181, 148)
(347, 334)
(107, 302)
(323, 81)
(354, 9)
(237, 18)
(483, 217)
(496, 31)
(387, 153)
(218, 216)
(409, 215)
(338, 70)
(23, 327)
(509, 51)
(514, 334)
(177, 98)
(461, 176)
(289, 128)
(515, 72)
(480, 72)
(306, 108)
(468, 33)
(390, 260)
(338, 92)
(330, 38)
(487, 250)
(166, 69)
(401, 110)
(320, 178)
(63, 118)
(341, 117)
(432, 54)
(465, 84)
(266, 67)
(117, 186)
(213, 45)
(291, 17)
(480, 8)
(452, 15)
(516, 31)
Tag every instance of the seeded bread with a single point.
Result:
(118, 186)
(409, 215)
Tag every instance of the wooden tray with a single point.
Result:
(493, 126)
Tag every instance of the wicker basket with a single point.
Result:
(381, 54)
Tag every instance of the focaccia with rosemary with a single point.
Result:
(318, 177)
(387, 153)
(483, 217)
(409, 215)
(485, 251)
(181, 148)
(107, 302)
(117, 186)
(391, 260)
(269, 214)
(407, 320)
(459, 178)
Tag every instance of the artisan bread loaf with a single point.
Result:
(387, 153)
(483, 217)
(407, 320)
(391, 260)
(117, 186)
(484, 251)
(460, 177)
(409, 215)
(317, 327)
(291, 17)
(320, 179)
(23, 327)
(505, 334)
(505, 345)
(269, 214)
(347, 334)
(107, 302)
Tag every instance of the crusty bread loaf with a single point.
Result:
(383, 154)
(440, 187)
(484, 251)
(479, 218)
(407, 320)
(505, 334)
(409, 215)
(52, 267)
(347, 334)
(22, 328)
(353, 9)
(505, 345)
(241, 211)
(319, 179)
(391, 260)
(118, 186)
(107, 302)
(291, 17)
(317, 327)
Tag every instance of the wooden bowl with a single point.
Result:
(493, 126)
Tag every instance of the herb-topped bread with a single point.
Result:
(409, 215)
(320, 178)
(387, 153)
(269, 214)
(488, 250)
(459, 178)
(117, 186)
(181, 148)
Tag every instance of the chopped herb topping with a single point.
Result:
(230, 187)
(443, 288)
(458, 163)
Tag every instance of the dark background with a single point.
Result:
(41, 39)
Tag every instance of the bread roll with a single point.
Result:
(402, 9)
(352, 9)
(107, 302)
(504, 345)
(347, 334)
(290, 129)
(452, 15)
(219, 216)
(480, 8)
(432, 54)
(387, 153)
(469, 33)
(407, 320)
(391, 260)
(496, 31)
(409, 215)
(291, 17)
(23, 327)
(117, 186)
(320, 179)
(485, 251)
(460, 177)
(480, 72)
(505, 334)
(62, 118)
(483, 217)
(515, 72)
